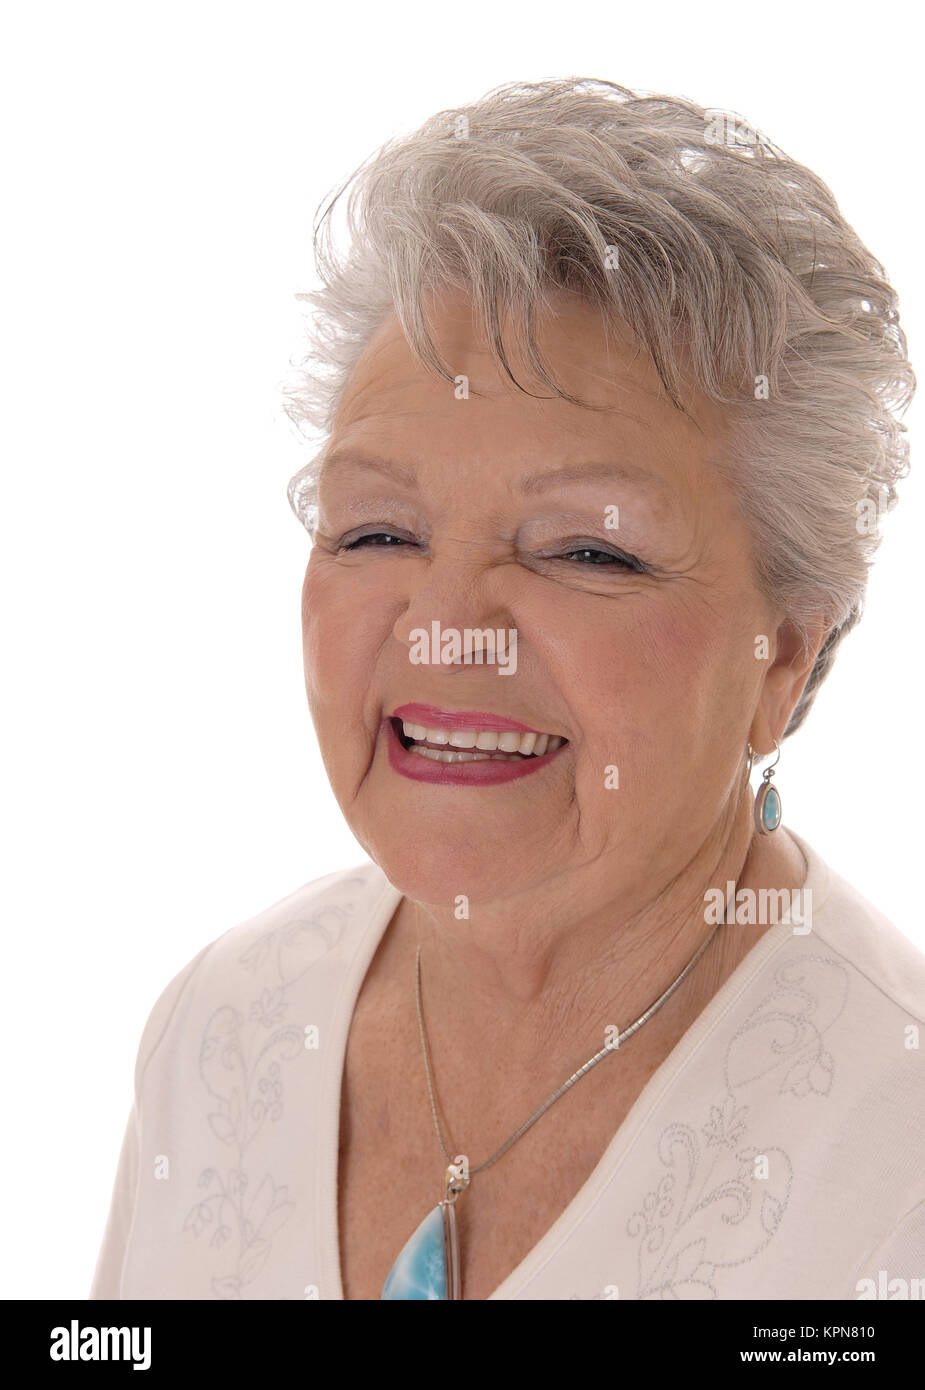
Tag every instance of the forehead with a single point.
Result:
(394, 404)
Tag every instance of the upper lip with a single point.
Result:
(433, 718)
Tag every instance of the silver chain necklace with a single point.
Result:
(428, 1265)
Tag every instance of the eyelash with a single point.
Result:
(370, 535)
(628, 562)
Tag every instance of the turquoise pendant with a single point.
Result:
(768, 809)
(428, 1265)
(422, 1269)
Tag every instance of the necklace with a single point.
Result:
(428, 1265)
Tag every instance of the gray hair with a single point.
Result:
(729, 261)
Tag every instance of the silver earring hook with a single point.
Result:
(768, 771)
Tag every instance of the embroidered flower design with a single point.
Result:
(269, 1008)
(726, 1124)
(711, 1172)
(241, 1062)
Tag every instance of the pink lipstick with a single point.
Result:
(435, 718)
(421, 746)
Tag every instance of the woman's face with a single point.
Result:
(608, 542)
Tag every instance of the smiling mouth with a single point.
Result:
(474, 745)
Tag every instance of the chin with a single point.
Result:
(437, 871)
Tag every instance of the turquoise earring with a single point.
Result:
(768, 807)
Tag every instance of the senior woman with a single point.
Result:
(609, 390)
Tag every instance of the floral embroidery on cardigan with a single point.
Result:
(241, 1062)
(726, 1168)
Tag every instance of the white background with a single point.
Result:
(161, 167)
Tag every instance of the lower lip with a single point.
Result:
(477, 774)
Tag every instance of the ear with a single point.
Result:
(790, 664)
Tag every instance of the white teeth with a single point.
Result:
(483, 742)
(462, 755)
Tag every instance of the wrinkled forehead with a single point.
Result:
(394, 403)
(591, 356)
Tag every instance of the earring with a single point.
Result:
(768, 807)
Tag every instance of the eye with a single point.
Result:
(593, 555)
(377, 539)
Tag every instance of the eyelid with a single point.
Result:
(591, 543)
(349, 538)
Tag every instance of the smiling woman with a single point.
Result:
(605, 402)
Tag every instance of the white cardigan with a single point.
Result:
(778, 1152)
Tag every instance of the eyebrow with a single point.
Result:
(341, 460)
(537, 482)
(594, 472)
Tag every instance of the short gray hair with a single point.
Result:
(734, 269)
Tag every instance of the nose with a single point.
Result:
(455, 616)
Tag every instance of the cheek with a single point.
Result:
(652, 684)
(694, 658)
(339, 638)
(691, 701)
(632, 663)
